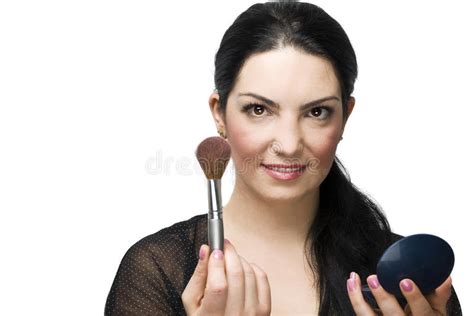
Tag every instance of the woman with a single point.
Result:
(302, 237)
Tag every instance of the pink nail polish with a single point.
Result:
(351, 285)
(202, 253)
(226, 241)
(353, 275)
(218, 254)
(373, 282)
(407, 286)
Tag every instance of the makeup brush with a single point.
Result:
(213, 154)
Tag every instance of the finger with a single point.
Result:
(194, 290)
(251, 291)
(439, 299)
(419, 304)
(263, 289)
(235, 280)
(215, 295)
(360, 306)
(387, 303)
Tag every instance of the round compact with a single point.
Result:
(425, 259)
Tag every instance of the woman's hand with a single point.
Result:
(226, 286)
(418, 304)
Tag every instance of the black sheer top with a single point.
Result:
(155, 271)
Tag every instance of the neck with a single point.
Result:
(277, 222)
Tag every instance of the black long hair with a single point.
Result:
(350, 231)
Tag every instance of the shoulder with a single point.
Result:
(155, 270)
(171, 251)
(177, 237)
(184, 231)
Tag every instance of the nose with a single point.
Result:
(288, 138)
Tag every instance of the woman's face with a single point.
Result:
(283, 122)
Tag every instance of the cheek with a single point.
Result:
(245, 145)
(324, 148)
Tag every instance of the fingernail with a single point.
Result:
(407, 286)
(353, 275)
(373, 282)
(217, 253)
(202, 252)
(226, 241)
(351, 285)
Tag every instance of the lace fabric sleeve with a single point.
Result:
(151, 277)
(154, 272)
(140, 286)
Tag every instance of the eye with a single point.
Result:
(255, 109)
(320, 112)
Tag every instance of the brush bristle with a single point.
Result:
(213, 154)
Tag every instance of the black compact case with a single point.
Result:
(425, 259)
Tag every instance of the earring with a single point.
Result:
(222, 133)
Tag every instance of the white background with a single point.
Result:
(102, 104)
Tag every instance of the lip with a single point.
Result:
(284, 175)
(283, 166)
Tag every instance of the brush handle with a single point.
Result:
(215, 227)
(215, 230)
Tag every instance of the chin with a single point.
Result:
(281, 195)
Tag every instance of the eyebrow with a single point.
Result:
(276, 105)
